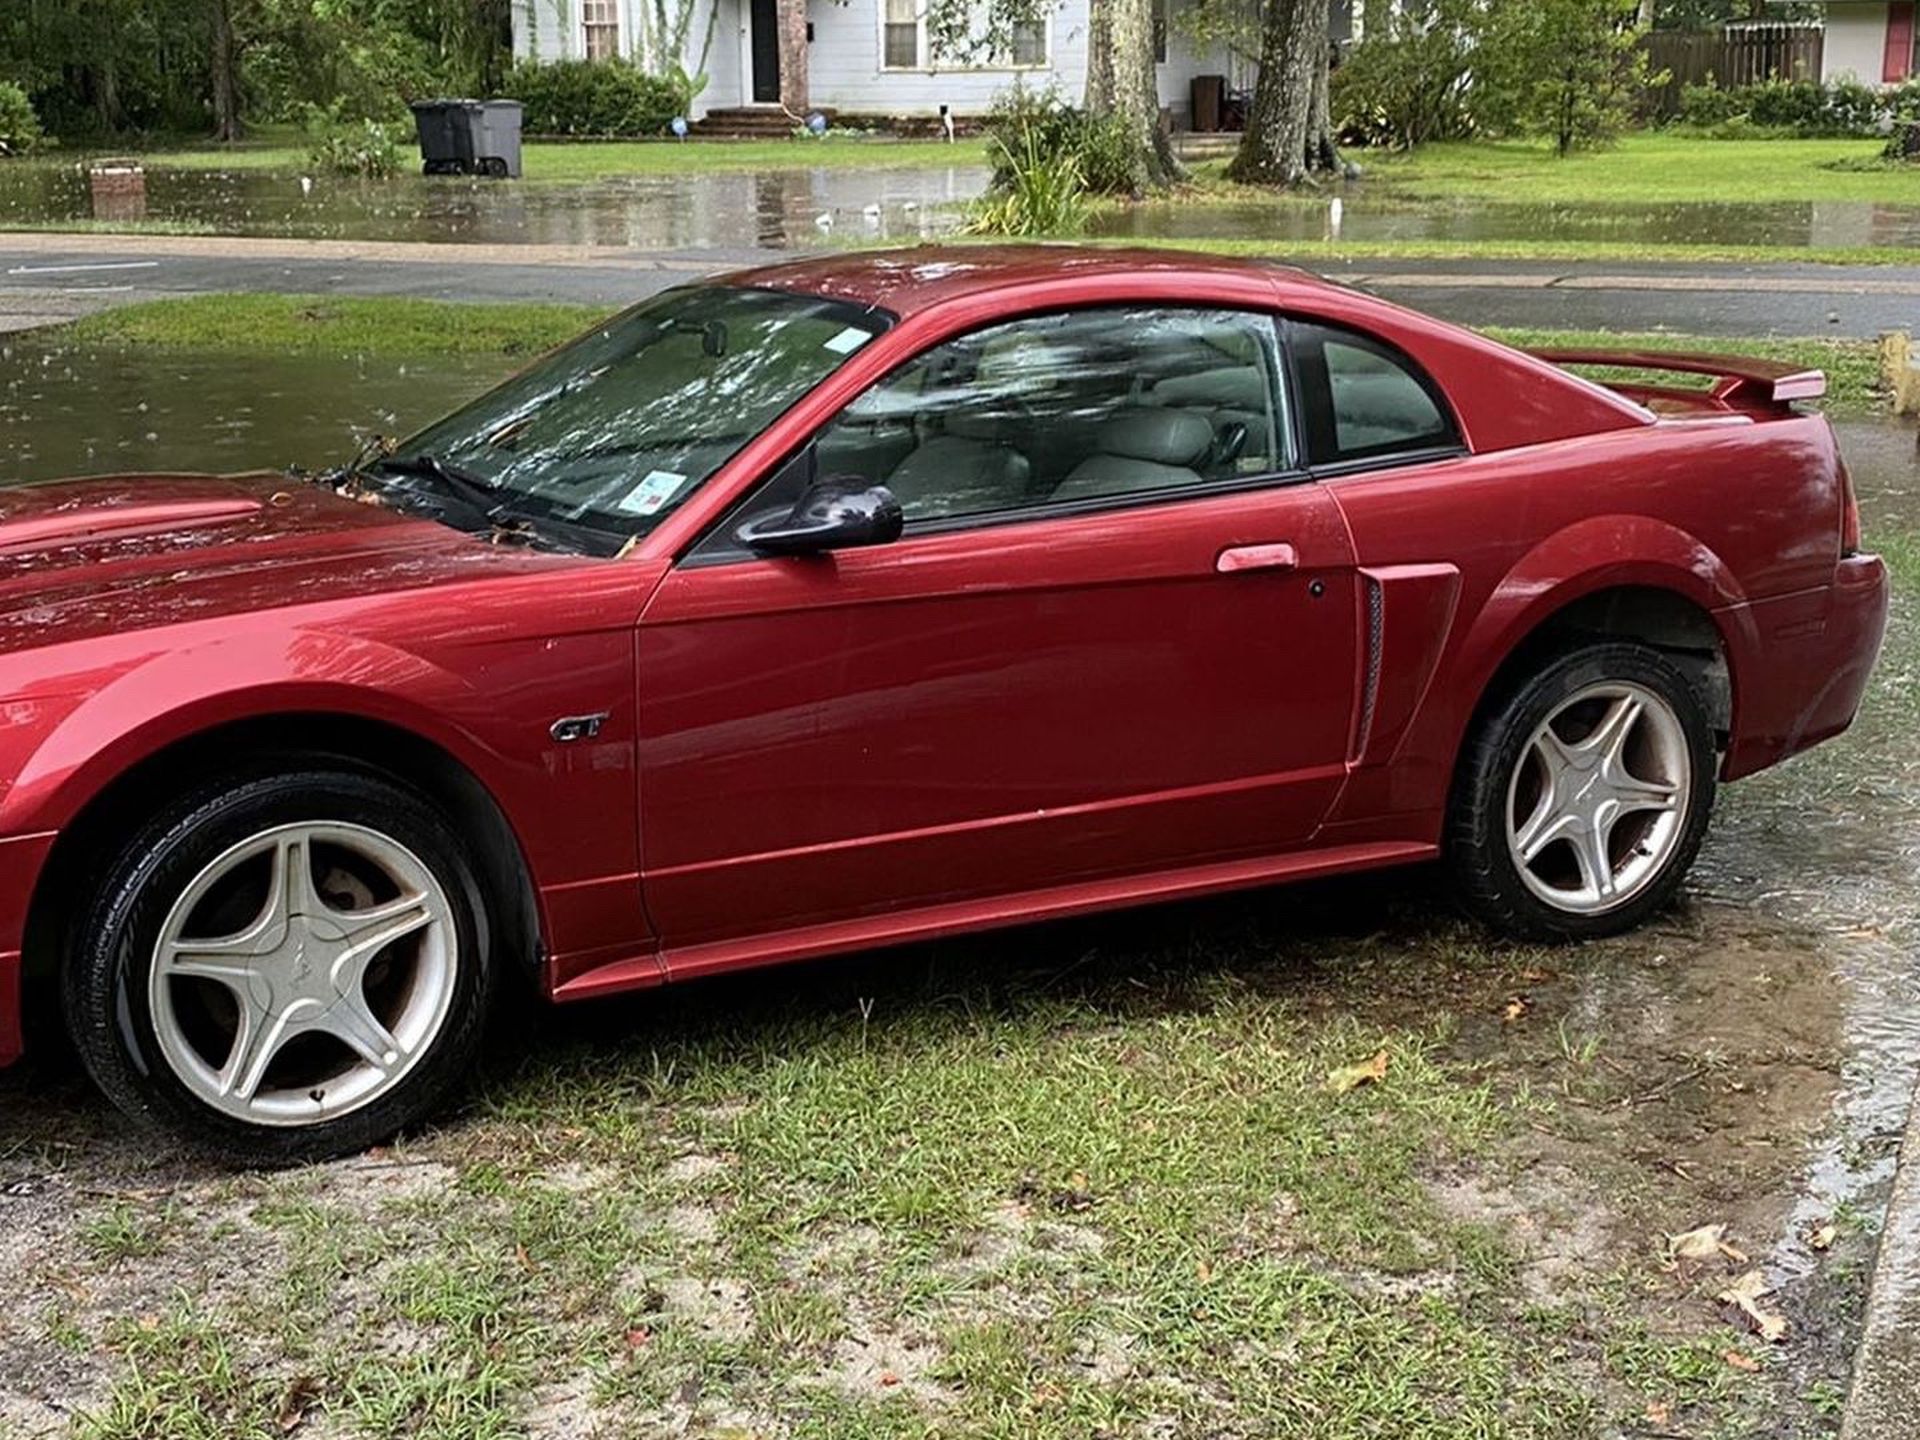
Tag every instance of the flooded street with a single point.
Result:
(798, 207)
(776, 209)
(1748, 1060)
(88, 412)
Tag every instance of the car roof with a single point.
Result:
(910, 280)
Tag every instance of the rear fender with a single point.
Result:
(1596, 554)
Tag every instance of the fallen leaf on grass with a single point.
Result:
(1821, 1237)
(638, 1337)
(302, 1395)
(1659, 1413)
(1745, 1295)
(1352, 1077)
(1708, 1242)
(1737, 1360)
(1515, 1009)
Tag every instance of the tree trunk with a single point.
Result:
(223, 65)
(1120, 82)
(793, 56)
(1289, 137)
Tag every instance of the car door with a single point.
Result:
(1117, 636)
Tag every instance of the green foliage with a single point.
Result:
(365, 149)
(1571, 70)
(594, 97)
(1100, 146)
(1043, 191)
(19, 126)
(1410, 82)
(100, 68)
(1807, 109)
(979, 32)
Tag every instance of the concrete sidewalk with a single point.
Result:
(48, 276)
(1884, 1403)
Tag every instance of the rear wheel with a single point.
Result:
(285, 968)
(1584, 795)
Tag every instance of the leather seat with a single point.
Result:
(966, 470)
(1142, 449)
(1231, 395)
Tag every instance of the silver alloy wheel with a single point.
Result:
(303, 973)
(1598, 801)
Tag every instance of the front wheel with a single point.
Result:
(1584, 795)
(285, 968)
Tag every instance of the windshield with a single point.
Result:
(606, 436)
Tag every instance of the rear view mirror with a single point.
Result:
(829, 515)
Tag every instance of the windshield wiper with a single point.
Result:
(462, 485)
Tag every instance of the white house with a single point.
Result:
(1870, 40)
(865, 57)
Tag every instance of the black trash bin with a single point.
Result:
(469, 137)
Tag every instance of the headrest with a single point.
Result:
(979, 422)
(1234, 387)
(1166, 437)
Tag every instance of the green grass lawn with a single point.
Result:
(294, 324)
(1648, 168)
(1646, 182)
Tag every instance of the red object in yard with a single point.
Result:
(874, 597)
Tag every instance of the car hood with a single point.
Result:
(127, 552)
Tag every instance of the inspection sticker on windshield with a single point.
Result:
(848, 340)
(650, 494)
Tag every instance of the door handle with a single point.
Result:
(1236, 558)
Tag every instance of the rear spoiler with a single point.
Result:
(1742, 378)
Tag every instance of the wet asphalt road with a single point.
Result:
(50, 277)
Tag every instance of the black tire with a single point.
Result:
(1486, 874)
(105, 988)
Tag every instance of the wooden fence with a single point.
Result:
(1739, 55)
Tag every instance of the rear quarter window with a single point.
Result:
(1362, 400)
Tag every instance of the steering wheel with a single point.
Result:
(1229, 443)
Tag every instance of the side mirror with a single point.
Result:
(829, 515)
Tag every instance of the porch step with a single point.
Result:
(750, 122)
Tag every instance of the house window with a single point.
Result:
(902, 37)
(600, 24)
(1159, 32)
(905, 44)
(1030, 42)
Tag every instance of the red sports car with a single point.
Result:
(871, 598)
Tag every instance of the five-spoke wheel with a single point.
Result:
(287, 967)
(1583, 794)
(336, 981)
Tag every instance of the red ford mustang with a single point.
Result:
(872, 598)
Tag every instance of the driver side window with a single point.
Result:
(1080, 406)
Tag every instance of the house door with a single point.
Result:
(764, 25)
